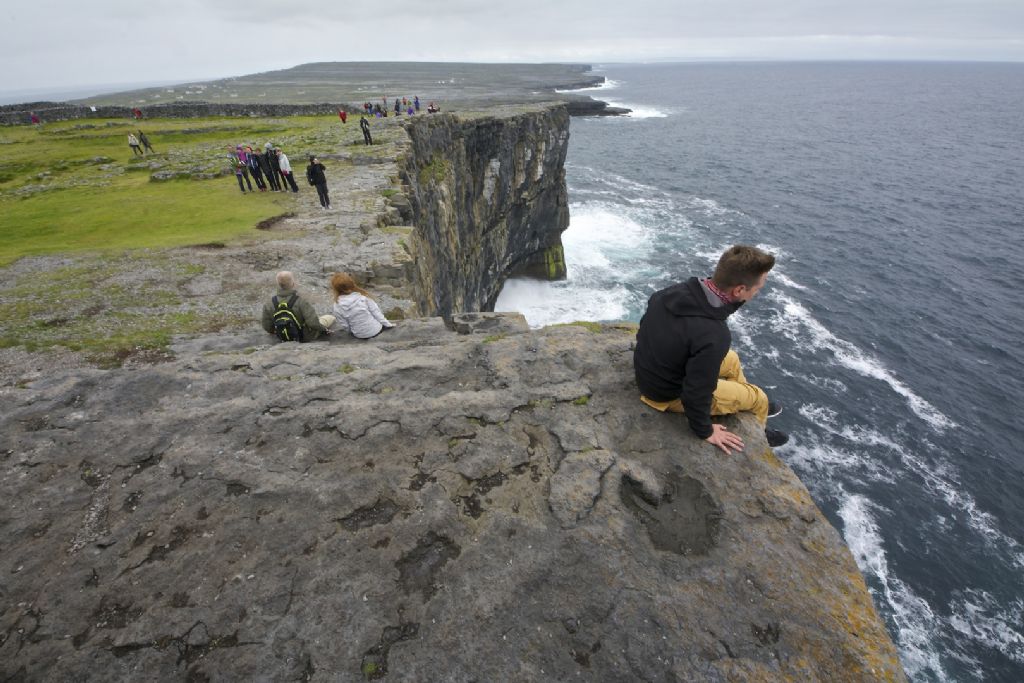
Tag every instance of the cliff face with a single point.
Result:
(426, 506)
(488, 199)
(489, 505)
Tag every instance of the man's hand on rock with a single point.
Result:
(724, 439)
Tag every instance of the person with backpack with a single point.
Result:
(290, 317)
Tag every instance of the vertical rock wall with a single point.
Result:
(489, 199)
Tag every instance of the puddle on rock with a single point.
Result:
(684, 520)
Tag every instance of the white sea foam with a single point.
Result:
(546, 303)
(600, 236)
(980, 617)
(639, 111)
(608, 84)
(598, 230)
(745, 327)
(829, 383)
(939, 480)
(786, 280)
(819, 338)
(708, 206)
(915, 622)
(825, 463)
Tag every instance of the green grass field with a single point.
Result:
(75, 186)
(74, 189)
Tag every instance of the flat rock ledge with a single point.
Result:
(481, 504)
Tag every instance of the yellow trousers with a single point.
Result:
(732, 394)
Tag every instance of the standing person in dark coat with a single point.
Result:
(275, 167)
(365, 125)
(398, 107)
(416, 102)
(145, 142)
(682, 358)
(315, 175)
(252, 160)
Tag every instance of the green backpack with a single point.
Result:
(286, 324)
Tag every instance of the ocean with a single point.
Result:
(892, 195)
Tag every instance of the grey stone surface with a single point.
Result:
(463, 501)
(423, 506)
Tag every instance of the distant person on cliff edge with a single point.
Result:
(145, 142)
(133, 142)
(343, 115)
(237, 161)
(286, 170)
(290, 317)
(271, 168)
(682, 358)
(316, 177)
(252, 159)
(365, 126)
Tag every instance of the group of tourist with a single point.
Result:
(139, 144)
(409, 107)
(292, 318)
(270, 168)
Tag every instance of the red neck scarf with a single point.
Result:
(726, 299)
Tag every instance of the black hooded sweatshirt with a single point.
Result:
(680, 347)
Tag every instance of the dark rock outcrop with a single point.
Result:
(495, 505)
(488, 199)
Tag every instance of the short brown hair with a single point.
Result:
(742, 264)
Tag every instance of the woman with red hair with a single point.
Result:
(354, 310)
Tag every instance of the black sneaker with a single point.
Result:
(776, 438)
(774, 408)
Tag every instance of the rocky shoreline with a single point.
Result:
(459, 499)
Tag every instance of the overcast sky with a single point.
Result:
(57, 44)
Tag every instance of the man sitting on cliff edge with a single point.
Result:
(286, 306)
(682, 359)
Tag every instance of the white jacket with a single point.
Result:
(282, 160)
(359, 315)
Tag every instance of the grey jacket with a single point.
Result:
(359, 315)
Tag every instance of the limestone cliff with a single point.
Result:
(427, 506)
(488, 198)
(487, 503)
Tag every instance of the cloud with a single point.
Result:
(61, 43)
